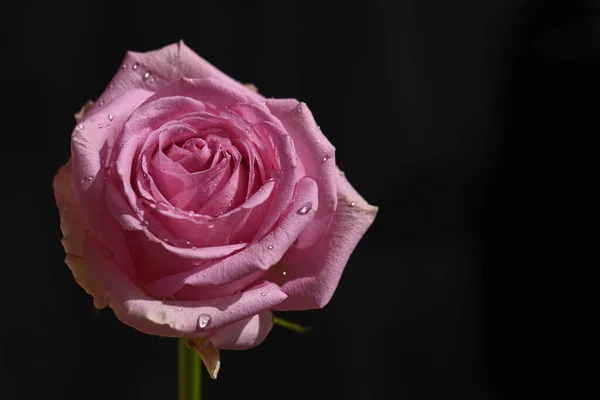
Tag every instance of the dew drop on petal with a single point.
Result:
(203, 320)
(263, 294)
(111, 117)
(270, 247)
(135, 66)
(99, 126)
(146, 76)
(205, 274)
(284, 273)
(318, 140)
(306, 207)
(178, 308)
(152, 80)
(211, 226)
(352, 203)
(325, 158)
(80, 126)
(102, 103)
(124, 66)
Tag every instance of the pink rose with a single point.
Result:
(193, 206)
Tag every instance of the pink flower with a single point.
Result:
(193, 206)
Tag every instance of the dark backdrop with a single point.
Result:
(469, 123)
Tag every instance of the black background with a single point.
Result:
(469, 123)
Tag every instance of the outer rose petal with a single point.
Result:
(242, 335)
(173, 318)
(316, 159)
(310, 283)
(73, 227)
(163, 67)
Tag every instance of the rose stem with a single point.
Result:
(190, 372)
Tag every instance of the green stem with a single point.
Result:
(190, 372)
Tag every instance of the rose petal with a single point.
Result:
(243, 334)
(173, 318)
(316, 157)
(259, 256)
(156, 69)
(90, 148)
(311, 282)
(73, 226)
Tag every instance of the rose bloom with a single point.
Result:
(193, 206)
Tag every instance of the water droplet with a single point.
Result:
(184, 243)
(203, 320)
(352, 203)
(270, 247)
(325, 158)
(133, 104)
(102, 103)
(306, 207)
(135, 66)
(87, 179)
(111, 117)
(146, 75)
(108, 127)
(318, 141)
(99, 126)
(284, 273)
(211, 226)
(80, 126)
(246, 131)
(124, 66)
(178, 308)
(263, 294)
(205, 274)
